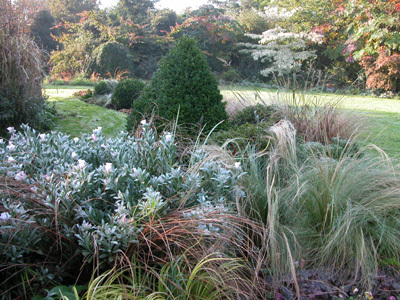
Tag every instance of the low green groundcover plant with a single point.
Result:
(79, 204)
(84, 95)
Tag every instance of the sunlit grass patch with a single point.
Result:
(76, 117)
(382, 116)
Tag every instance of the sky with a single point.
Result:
(176, 5)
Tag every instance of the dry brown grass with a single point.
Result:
(21, 98)
(183, 234)
(20, 64)
(320, 121)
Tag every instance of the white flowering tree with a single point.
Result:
(285, 50)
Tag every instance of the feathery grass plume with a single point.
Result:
(266, 176)
(21, 99)
(338, 214)
(346, 214)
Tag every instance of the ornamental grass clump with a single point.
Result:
(337, 214)
(21, 99)
(317, 119)
(84, 203)
(188, 254)
(347, 212)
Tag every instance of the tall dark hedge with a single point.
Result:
(183, 83)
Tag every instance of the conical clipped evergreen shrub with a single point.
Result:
(182, 85)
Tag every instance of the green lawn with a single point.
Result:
(382, 125)
(382, 116)
(75, 117)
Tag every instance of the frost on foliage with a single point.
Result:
(283, 49)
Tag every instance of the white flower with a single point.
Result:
(42, 136)
(20, 176)
(168, 137)
(5, 216)
(11, 159)
(10, 147)
(11, 129)
(135, 172)
(237, 165)
(94, 137)
(98, 130)
(355, 291)
(74, 155)
(76, 139)
(103, 146)
(143, 122)
(108, 167)
(1, 141)
(81, 163)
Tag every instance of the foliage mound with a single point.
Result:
(88, 202)
(126, 92)
(337, 214)
(183, 87)
(21, 99)
(109, 57)
(255, 114)
(104, 87)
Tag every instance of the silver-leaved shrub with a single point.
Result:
(68, 204)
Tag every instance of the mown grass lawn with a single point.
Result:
(381, 126)
(75, 117)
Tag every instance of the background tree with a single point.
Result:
(81, 39)
(68, 10)
(109, 58)
(284, 50)
(162, 21)
(43, 31)
(215, 32)
(253, 21)
(374, 41)
(137, 10)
